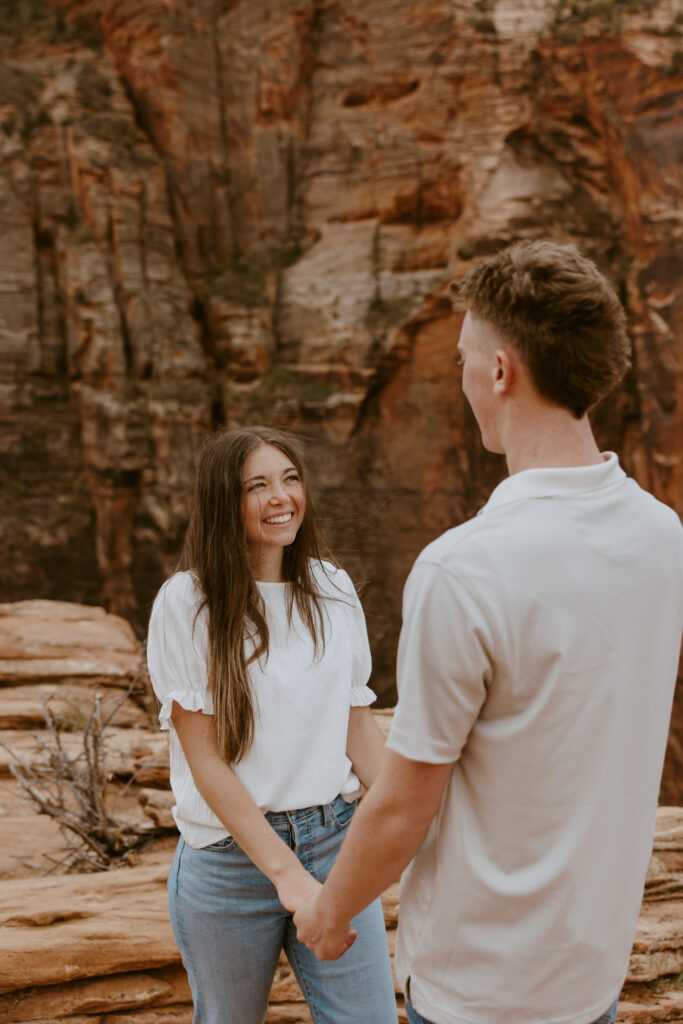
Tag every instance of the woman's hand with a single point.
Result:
(296, 887)
(233, 805)
(327, 938)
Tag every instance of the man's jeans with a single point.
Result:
(608, 1017)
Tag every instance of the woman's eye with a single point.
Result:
(293, 478)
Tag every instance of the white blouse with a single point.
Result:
(298, 757)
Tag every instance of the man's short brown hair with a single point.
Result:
(559, 313)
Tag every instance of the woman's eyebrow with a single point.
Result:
(261, 476)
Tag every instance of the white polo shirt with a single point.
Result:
(539, 652)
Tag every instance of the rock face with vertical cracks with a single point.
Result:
(221, 212)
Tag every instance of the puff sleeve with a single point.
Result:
(361, 694)
(177, 646)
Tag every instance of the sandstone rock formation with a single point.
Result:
(97, 948)
(61, 658)
(114, 953)
(57, 641)
(235, 212)
(89, 947)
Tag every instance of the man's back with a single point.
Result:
(540, 643)
(536, 668)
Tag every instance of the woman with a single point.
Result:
(258, 653)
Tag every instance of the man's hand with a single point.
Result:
(328, 939)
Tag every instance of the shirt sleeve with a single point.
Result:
(177, 648)
(361, 694)
(444, 668)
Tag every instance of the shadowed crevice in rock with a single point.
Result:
(250, 213)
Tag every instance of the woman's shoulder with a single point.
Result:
(331, 579)
(180, 589)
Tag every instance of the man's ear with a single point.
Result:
(503, 373)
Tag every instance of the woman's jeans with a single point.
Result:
(608, 1017)
(230, 927)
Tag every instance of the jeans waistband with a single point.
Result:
(303, 813)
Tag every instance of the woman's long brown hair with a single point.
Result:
(215, 551)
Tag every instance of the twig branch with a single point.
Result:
(73, 789)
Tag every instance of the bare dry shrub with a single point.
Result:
(78, 789)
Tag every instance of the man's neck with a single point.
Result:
(552, 439)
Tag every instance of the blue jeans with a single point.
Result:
(230, 928)
(608, 1017)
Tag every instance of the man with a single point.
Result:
(536, 669)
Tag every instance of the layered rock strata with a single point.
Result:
(232, 213)
(97, 948)
(59, 660)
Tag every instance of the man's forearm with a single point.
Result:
(384, 836)
(382, 839)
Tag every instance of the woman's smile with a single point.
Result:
(280, 518)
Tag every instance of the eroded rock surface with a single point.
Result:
(80, 948)
(97, 948)
(59, 662)
(58, 641)
(230, 213)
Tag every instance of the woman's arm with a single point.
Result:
(231, 802)
(364, 745)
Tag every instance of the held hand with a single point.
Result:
(326, 939)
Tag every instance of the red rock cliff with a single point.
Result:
(217, 211)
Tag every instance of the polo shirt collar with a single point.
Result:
(553, 483)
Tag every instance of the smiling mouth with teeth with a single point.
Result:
(275, 520)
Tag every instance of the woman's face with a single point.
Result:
(273, 499)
